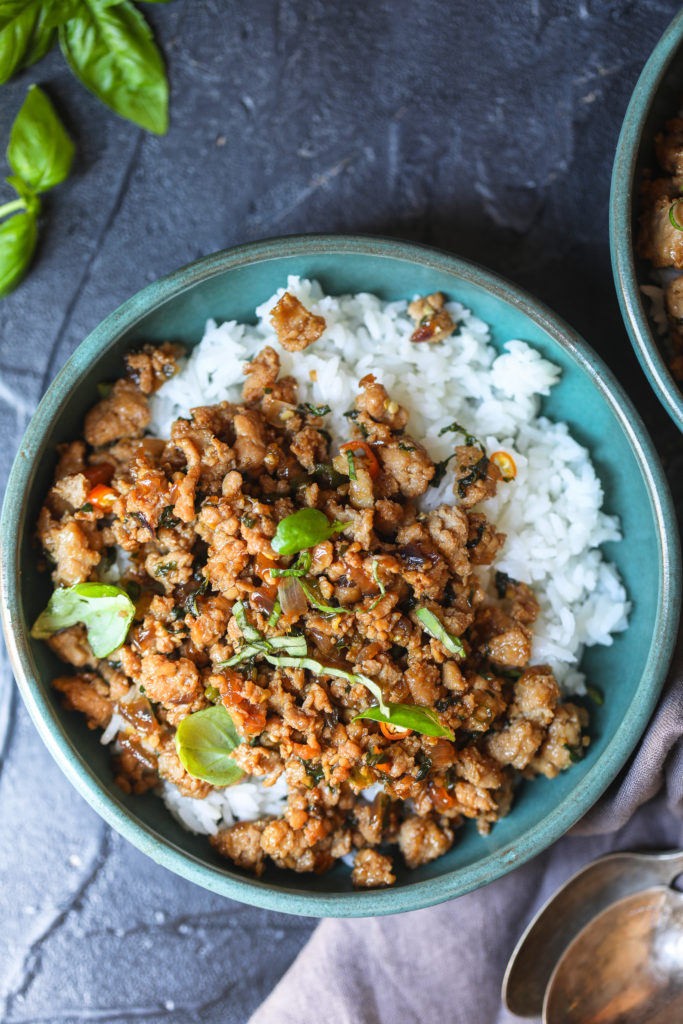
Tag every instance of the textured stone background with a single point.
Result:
(485, 128)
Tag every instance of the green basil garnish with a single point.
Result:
(26, 34)
(39, 152)
(257, 644)
(204, 742)
(109, 47)
(409, 716)
(453, 644)
(105, 610)
(303, 529)
(18, 236)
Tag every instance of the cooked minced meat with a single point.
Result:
(197, 517)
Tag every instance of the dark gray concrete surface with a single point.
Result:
(485, 128)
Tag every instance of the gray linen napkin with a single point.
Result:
(446, 963)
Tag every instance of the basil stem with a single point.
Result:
(453, 644)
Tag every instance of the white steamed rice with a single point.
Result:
(551, 512)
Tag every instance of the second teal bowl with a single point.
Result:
(656, 98)
(631, 672)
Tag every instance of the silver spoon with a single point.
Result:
(562, 917)
(625, 967)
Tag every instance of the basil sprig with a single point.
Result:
(409, 716)
(108, 45)
(204, 742)
(105, 610)
(453, 644)
(40, 154)
(304, 529)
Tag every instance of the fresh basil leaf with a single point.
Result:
(409, 716)
(303, 529)
(205, 741)
(111, 50)
(26, 34)
(105, 610)
(59, 11)
(453, 644)
(40, 152)
(17, 241)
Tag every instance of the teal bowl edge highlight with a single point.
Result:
(285, 897)
(624, 186)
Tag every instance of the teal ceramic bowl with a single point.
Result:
(630, 672)
(655, 99)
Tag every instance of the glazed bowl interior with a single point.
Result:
(229, 286)
(657, 97)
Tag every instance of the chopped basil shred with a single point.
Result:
(328, 670)
(105, 610)
(453, 644)
(382, 588)
(303, 529)
(300, 568)
(204, 741)
(457, 428)
(257, 644)
(328, 609)
(409, 716)
(352, 466)
(314, 410)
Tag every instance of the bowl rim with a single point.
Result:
(622, 191)
(288, 898)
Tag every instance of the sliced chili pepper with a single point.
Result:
(102, 497)
(393, 732)
(441, 798)
(373, 464)
(506, 465)
(99, 474)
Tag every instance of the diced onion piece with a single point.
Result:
(292, 598)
